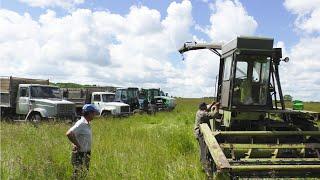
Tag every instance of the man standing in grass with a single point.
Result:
(204, 115)
(80, 135)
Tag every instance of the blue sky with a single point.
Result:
(134, 43)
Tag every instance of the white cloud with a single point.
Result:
(308, 13)
(201, 68)
(302, 72)
(96, 47)
(301, 7)
(179, 20)
(228, 20)
(66, 4)
(299, 76)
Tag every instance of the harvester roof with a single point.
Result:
(248, 42)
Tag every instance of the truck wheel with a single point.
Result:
(137, 111)
(35, 117)
(106, 114)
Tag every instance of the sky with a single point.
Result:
(134, 43)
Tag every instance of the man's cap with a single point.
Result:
(90, 108)
(202, 105)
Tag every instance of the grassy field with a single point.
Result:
(138, 147)
(310, 106)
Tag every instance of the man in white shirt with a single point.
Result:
(80, 135)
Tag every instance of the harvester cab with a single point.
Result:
(247, 74)
(255, 135)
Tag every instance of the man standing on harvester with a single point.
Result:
(203, 115)
(80, 135)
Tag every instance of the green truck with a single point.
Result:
(158, 98)
(128, 96)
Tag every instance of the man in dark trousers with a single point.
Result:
(203, 115)
(80, 135)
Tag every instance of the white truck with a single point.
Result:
(32, 99)
(103, 100)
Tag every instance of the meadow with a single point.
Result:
(160, 146)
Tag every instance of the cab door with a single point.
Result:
(23, 101)
(226, 81)
(97, 101)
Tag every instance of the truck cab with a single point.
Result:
(156, 97)
(105, 102)
(169, 103)
(129, 96)
(37, 101)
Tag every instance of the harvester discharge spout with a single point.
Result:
(189, 46)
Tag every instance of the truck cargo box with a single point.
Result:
(9, 87)
(81, 96)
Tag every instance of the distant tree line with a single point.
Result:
(71, 85)
(287, 97)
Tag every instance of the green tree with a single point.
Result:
(287, 97)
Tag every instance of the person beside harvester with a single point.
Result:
(80, 135)
(203, 115)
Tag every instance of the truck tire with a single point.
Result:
(106, 114)
(137, 111)
(36, 117)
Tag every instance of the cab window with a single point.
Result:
(118, 93)
(96, 97)
(124, 95)
(227, 68)
(24, 92)
(251, 80)
(242, 70)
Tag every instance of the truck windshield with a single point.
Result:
(108, 97)
(45, 92)
(142, 95)
(251, 80)
(132, 93)
(154, 92)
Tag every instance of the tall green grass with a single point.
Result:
(138, 147)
